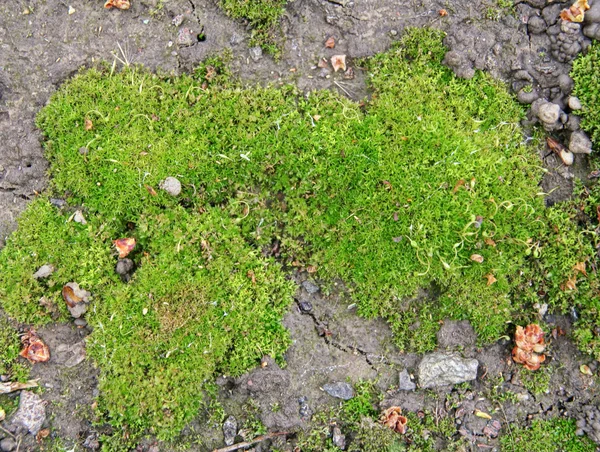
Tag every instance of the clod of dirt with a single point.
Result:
(548, 114)
(230, 430)
(340, 390)
(589, 422)
(31, 413)
(536, 25)
(91, 442)
(338, 62)
(178, 20)
(255, 53)
(440, 369)
(461, 66)
(579, 143)
(171, 185)
(44, 271)
(405, 383)
(456, 333)
(339, 440)
(124, 266)
(79, 218)
(70, 355)
(8, 444)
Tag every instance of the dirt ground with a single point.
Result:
(42, 43)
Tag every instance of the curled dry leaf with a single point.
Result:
(73, 294)
(151, 190)
(477, 258)
(490, 279)
(561, 151)
(570, 284)
(88, 124)
(575, 12)
(35, 351)
(443, 13)
(12, 386)
(124, 246)
(392, 418)
(338, 62)
(119, 4)
(580, 267)
(529, 346)
(330, 43)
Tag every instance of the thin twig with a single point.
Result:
(258, 439)
(6, 431)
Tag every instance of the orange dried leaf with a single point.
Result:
(443, 13)
(576, 12)
(119, 4)
(311, 269)
(35, 351)
(151, 190)
(571, 283)
(88, 124)
(338, 62)
(490, 242)
(124, 246)
(580, 267)
(70, 296)
(250, 274)
(459, 184)
(477, 258)
(330, 43)
(392, 418)
(490, 279)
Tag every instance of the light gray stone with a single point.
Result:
(441, 369)
(31, 413)
(171, 185)
(230, 430)
(580, 143)
(310, 287)
(339, 440)
(44, 271)
(341, 390)
(255, 53)
(548, 112)
(405, 383)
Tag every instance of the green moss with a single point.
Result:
(587, 89)
(262, 15)
(556, 434)
(538, 381)
(10, 346)
(391, 198)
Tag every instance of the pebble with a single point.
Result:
(178, 20)
(230, 430)
(91, 442)
(592, 31)
(404, 382)
(310, 287)
(255, 53)
(79, 218)
(78, 310)
(124, 266)
(566, 83)
(8, 444)
(339, 440)
(83, 150)
(305, 306)
(171, 185)
(185, 37)
(44, 271)
(579, 143)
(304, 411)
(79, 322)
(440, 369)
(31, 413)
(340, 390)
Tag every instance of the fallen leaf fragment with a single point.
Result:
(79, 218)
(250, 274)
(443, 13)
(580, 267)
(13, 386)
(575, 12)
(585, 370)
(571, 283)
(330, 43)
(459, 184)
(563, 153)
(43, 433)
(35, 350)
(392, 418)
(490, 242)
(477, 258)
(151, 190)
(119, 4)
(529, 346)
(88, 124)
(311, 269)
(322, 63)
(338, 62)
(124, 246)
(490, 279)
(482, 414)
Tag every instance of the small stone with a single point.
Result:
(185, 37)
(566, 83)
(83, 150)
(178, 20)
(305, 306)
(79, 218)
(78, 310)
(440, 369)
(80, 323)
(536, 25)
(230, 430)
(124, 266)
(310, 287)
(255, 53)
(592, 31)
(349, 74)
(59, 203)
(171, 185)
(31, 413)
(574, 103)
(71, 10)
(404, 382)
(394, 32)
(548, 112)
(44, 271)
(236, 39)
(339, 440)
(580, 143)
(340, 390)
(8, 444)
(91, 442)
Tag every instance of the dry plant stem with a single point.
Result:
(6, 431)
(258, 439)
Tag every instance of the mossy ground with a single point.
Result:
(391, 197)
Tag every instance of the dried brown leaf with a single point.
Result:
(35, 350)
(151, 190)
(119, 4)
(580, 267)
(393, 419)
(88, 124)
(477, 258)
(330, 43)
(124, 246)
(490, 279)
(443, 13)
(338, 62)
(490, 242)
(576, 12)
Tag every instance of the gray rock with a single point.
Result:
(44, 271)
(178, 20)
(91, 442)
(441, 369)
(124, 266)
(573, 123)
(255, 53)
(31, 413)
(566, 83)
(230, 430)
(79, 218)
(185, 37)
(536, 25)
(574, 103)
(8, 444)
(339, 440)
(592, 31)
(78, 310)
(405, 383)
(593, 14)
(236, 39)
(171, 185)
(305, 306)
(580, 143)
(310, 287)
(548, 112)
(80, 322)
(340, 389)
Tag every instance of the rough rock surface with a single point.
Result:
(440, 369)
(341, 390)
(31, 413)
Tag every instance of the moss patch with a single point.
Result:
(587, 89)
(426, 186)
(541, 436)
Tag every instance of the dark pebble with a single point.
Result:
(124, 266)
(305, 306)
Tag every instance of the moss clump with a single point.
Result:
(587, 89)
(556, 434)
(10, 346)
(262, 15)
(412, 191)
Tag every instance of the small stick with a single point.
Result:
(6, 431)
(258, 439)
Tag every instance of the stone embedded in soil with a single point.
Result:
(31, 413)
(574, 103)
(185, 37)
(305, 306)
(171, 185)
(404, 382)
(340, 390)
(91, 442)
(80, 322)
(440, 369)
(255, 53)
(310, 287)
(44, 271)
(78, 310)
(8, 444)
(304, 411)
(339, 440)
(230, 430)
(456, 334)
(579, 143)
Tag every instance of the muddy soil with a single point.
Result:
(42, 43)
